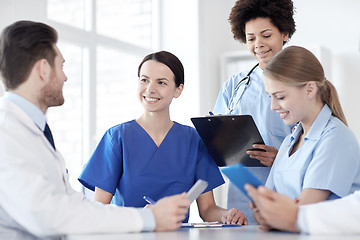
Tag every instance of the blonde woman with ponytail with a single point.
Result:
(320, 159)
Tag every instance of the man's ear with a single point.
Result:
(178, 91)
(43, 69)
(311, 89)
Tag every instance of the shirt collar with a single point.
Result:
(29, 108)
(319, 124)
(258, 69)
(316, 128)
(259, 72)
(256, 76)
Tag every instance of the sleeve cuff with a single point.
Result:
(148, 219)
(301, 223)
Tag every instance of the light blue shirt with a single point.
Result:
(329, 159)
(255, 102)
(39, 119)
(29, 108)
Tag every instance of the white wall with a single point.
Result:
(13, 10)
(334, 25)
(180, 33)
(331, 24)
(215, 38)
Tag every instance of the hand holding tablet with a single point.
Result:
(239, 175)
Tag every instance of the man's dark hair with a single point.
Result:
(22, 44)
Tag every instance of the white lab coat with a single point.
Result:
(341, 216)
(36, 199)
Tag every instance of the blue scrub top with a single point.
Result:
(128, 164)
(255, 102)
(328, 160)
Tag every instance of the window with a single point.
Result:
(102, 41)
(63, 11)
(115, 88)
(66, 121)
(126, 20)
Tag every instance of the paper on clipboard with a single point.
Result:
(228, 137)
(239, 175)
(207, 225)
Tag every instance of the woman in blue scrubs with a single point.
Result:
(154, 156)
(320, 160)
(264, 26)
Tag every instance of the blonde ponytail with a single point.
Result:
(297, 66)
(329, 96)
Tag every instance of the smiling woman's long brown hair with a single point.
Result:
(296, 66)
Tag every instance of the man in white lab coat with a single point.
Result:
(36, 200)
(340, 216)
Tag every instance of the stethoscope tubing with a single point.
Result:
(246, 79)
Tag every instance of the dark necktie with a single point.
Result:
(48, 135)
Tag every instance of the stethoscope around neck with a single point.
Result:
(246, 79)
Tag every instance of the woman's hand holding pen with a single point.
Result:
(266, 157)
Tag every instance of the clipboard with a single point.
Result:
(228, 137)
(239, 175)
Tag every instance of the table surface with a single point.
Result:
(244, 232)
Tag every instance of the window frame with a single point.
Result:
(89, 40)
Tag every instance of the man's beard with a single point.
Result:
(52, 96)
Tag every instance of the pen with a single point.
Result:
(211, 113)
(149, 200)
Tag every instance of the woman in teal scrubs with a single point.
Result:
(154, 156)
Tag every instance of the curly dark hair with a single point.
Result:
(279, 11)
